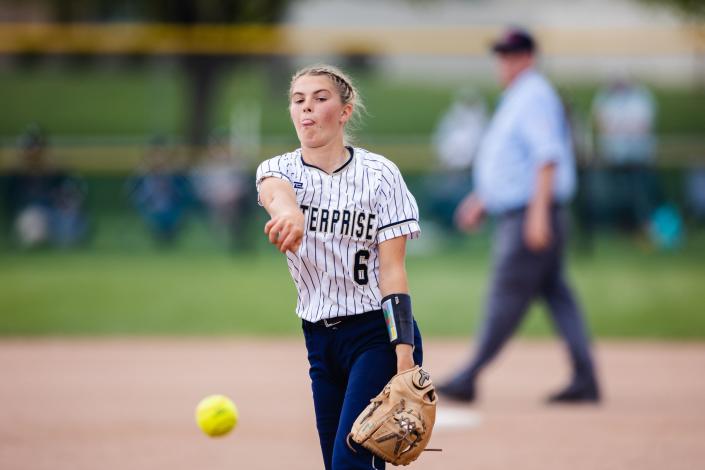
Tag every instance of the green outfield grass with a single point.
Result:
(120, 101)
(627, 292)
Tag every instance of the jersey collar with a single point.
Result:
(351, 151)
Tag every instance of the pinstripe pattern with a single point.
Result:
(347, 214)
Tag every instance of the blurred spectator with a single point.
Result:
(456, 140)
(160, 192)
(624, 114)
(459, 131)
(627, 192)
(220, 183)
(45, 204)
(580, 130)
(666, 227)
(695, 193)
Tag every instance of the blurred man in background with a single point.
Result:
(624, 114)
(220, 183)
(525, 175)
(45, 204)
(695, 192)
(160, 192)
(459, 131)
(456, 140)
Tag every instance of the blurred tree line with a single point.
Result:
(693, 9)
(693, 13)
(201, 70)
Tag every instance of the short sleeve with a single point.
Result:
(272, 168)
(396, 208)
(544, 133)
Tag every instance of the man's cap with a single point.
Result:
(514, 40)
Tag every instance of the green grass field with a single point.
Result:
(123, 286)
(143, 100)
(626, 291)
(117, 109)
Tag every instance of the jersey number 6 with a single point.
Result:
(360, 268)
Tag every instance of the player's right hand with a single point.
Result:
(469, 214)
(286, 231)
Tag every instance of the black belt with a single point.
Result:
(555, 206)
(338, 322)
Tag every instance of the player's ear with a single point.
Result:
(346, 112)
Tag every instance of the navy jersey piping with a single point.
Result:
(396, 223)
(350, 151)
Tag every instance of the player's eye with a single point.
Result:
(321, 98)
(298, 100)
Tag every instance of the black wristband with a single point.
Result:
(400, 320)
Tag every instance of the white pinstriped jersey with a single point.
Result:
(347, 215)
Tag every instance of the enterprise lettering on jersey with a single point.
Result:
(352, 224)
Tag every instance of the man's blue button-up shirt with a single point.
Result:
(528, 130)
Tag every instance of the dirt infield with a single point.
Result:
(128, 404)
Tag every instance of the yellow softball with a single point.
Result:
(216, 415)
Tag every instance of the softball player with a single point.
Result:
(342, 215)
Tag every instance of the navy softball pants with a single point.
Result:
(350, 363)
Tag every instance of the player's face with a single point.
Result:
(511, 65)
(317, 112)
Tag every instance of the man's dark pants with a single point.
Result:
(521, 276)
